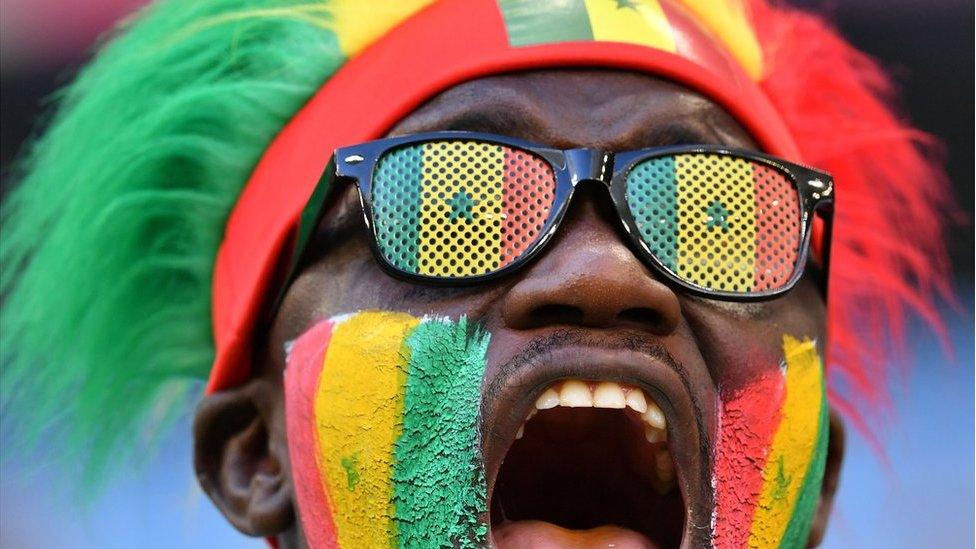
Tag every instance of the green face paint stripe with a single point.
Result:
(798, 529)
(351, 465)
(440, 493)
(531, 22)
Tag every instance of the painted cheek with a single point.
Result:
(770, 454)
(382, 415)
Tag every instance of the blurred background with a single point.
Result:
(922, 495)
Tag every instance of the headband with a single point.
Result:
(708, 47)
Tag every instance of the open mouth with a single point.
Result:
(590, 466)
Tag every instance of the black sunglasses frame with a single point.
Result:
(571, 167)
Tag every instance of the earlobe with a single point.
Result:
(835, 455)
(240, 457)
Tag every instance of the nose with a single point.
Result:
(589, 277)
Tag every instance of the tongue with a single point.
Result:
(535, 534)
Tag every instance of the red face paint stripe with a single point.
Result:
(301, 384)
(747, 423)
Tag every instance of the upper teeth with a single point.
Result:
(575, 393)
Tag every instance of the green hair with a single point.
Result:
(110, 236)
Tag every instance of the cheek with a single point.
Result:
(347, 279)
(740, 346)
(382, 415)
(770, 453)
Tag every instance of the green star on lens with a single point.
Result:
(462, 205)
(717, 216)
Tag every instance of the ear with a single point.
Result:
(835, 455)
(241, 457)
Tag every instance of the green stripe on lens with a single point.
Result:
(397, 181)
(532, 22)
(651, 195)
(440, 493)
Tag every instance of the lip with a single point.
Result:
(690, 416)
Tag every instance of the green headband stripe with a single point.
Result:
(526, 26)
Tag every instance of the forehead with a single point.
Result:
(615, 110)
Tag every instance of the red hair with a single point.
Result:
(888, 257)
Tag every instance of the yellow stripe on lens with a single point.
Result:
(461, 208)
(716, 221)
(358, 412)
(633, 21)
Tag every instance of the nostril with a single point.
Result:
(642, 315)
(555, 313)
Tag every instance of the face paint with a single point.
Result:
(770, 454)
(382, 415)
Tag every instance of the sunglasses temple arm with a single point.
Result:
(307, 222)
(826, 212)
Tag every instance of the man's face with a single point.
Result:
(586, 310)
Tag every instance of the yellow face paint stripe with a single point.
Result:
(358, 415)
(793, 445)
(633, 21)
(460, 221)
(716, 221)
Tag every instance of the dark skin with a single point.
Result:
(587, 296)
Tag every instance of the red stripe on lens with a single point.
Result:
(527, 197)
(777, 228)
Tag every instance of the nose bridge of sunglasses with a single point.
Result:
(589, 165)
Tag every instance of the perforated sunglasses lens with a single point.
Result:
(459, 208)
(716, 221)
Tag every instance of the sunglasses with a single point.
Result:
(465, 207)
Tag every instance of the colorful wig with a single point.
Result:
(109, 239)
